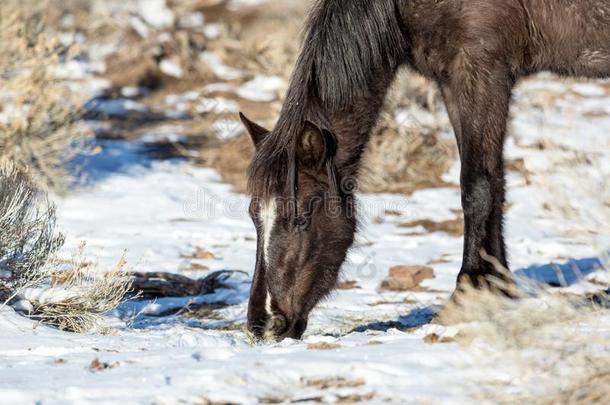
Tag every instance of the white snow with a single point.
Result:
(118, 107)
(192, 20)
(218, 67)
(213, 30)
(156, 13)
(131, 92)
(139, 26)
(261, 88)
(161, 211)
(227, 129)
(171, 68)
(218, 105)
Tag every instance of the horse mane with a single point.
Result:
(348, 44)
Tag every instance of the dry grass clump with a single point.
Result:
(594, 389)
(143, 50)
(325, 383)
(323, 346)
(407, 151)
(543, 344)
(269, 38)
(80, 295)
(453, 227)
(39, 111)
(73, 295)
(28, 239)
(231, 159)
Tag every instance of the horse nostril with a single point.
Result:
(279, 324)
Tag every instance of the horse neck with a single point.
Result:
(353, 126)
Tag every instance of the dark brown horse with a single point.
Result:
(301, 179)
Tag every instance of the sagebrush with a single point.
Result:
(69, 294)
(541, 341)
(39, 110)
(28, 240)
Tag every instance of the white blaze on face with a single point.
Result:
(268, 303)
(268, 216)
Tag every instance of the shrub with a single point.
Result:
(28, 240)
(80, 295)
(71, 295)
(39, 111)
(548, 353)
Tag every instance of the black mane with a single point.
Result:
(348, 45)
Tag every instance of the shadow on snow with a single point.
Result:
(201, 311)
(528, 279)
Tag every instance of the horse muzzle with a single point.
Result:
(281, 327)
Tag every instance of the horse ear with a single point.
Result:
(257, 133)
(317, 146)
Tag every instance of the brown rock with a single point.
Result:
(403, 278)
(348, 285)
(434, 338)
(97, 365)
(200, 253)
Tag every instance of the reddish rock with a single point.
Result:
(403, 278)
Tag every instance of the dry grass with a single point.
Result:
(97, 365)
(75, 293)
(140, 50)
(324, 383)
(544, 344)
(453, 227)
(39, 133)
(231, 159)
(405, 153)
(39, 111)
(268, 38)
(323, 346)
(594, 389)
(28, 240)
(80, 295)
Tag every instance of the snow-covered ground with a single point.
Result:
(161, 212)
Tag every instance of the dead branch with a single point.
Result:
(161, 284)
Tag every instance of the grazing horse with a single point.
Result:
(301, 178)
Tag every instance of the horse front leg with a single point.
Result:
(478, 106)
(258, 314)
